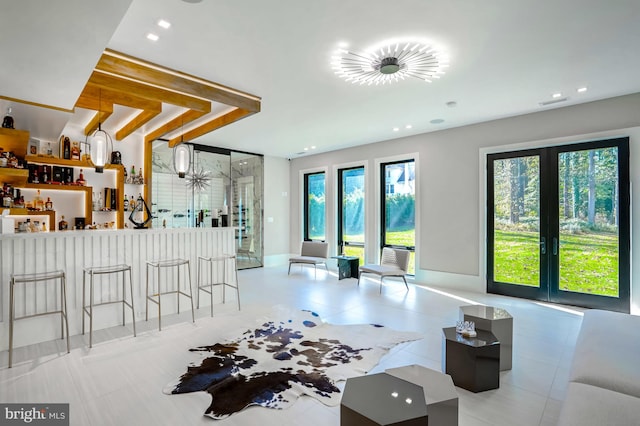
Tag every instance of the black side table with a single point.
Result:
(348, 266)
(472, 362)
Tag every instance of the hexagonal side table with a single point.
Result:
(497, 321)
(382, 399)
(439, 392)
(472, 362)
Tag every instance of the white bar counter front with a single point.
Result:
(72, 251)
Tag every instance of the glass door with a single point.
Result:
(558, 224)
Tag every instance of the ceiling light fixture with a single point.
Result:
(408, 126)
(152, 37)
(164, 24)
(389, 62)
(100, 143)
(556, 95)
(395, 129)
(582, 89)
(182, 156)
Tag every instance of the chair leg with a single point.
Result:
(289, 272)
(381, 284)
(405, 282)
(359, 275)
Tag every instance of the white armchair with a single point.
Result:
(311, 253)
(394, 263)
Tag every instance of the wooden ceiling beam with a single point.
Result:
(149, 73)
(99, 117)
(122, 85)
(92, 95)
(184, 118)
(137, 122)
(218, 122)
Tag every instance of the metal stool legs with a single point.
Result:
(156, 297)
(32, 278)
(101, 271)
(208, 287)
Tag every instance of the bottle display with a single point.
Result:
(48, 205)
(126, 203)
(65, 143)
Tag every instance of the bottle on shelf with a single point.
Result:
(49, 150)
(126, 203)
(63, 225)
(126, 175)
(28, 226)
(132, 175)
(7, 122)
(80, 180)
(66, 147)
(48, 205)
(38, 204)
(140, 180)
(132, 204)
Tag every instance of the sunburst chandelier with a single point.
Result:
(391, 61)
(200, 179)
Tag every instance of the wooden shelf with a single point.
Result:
(55, 161)
(88, 195)
(32, 213)
(14, 177)
(15, 141)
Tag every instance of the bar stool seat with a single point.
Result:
(88, 309)
(207, 287)
(156, 295)
(33, 278)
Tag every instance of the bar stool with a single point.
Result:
(169, 263)
(213, 260)
(32, 278)
(103, 270)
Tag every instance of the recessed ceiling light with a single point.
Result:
(306, 149)
(313, 147)
(556, 95)
(437, 121)
(582, 89)
(343, 45)
(164, 24)
(395, 129)
(152, 37)
(408, 126)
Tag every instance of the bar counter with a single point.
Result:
(71, 251)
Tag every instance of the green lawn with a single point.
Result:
(588, 262)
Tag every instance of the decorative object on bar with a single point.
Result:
(138, 207)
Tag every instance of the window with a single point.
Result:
(398, 207)
(351, 209)
(314, 207)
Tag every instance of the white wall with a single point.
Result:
(450, 249)
(276, 210)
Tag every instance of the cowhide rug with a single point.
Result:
(273, 363)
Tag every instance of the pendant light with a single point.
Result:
(181, 157)
(100, 144)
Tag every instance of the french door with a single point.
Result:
(558, 224)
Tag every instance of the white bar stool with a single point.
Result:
(155, 296)
(88, 309)
(32, 278)
(208, 287)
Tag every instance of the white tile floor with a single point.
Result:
(120, 381)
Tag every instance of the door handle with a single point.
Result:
(543, 245)
(555, 246)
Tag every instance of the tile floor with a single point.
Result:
(120, 381)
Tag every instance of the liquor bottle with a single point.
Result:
(7, 122)
(38, 204)
(132, 175)
(126, 177)
(28, 225)
(132, 204)
(63, 225)
(66, 148)
(126, 203)
(49, 150)
(140, 178)
(80, 180)
(49, 204)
